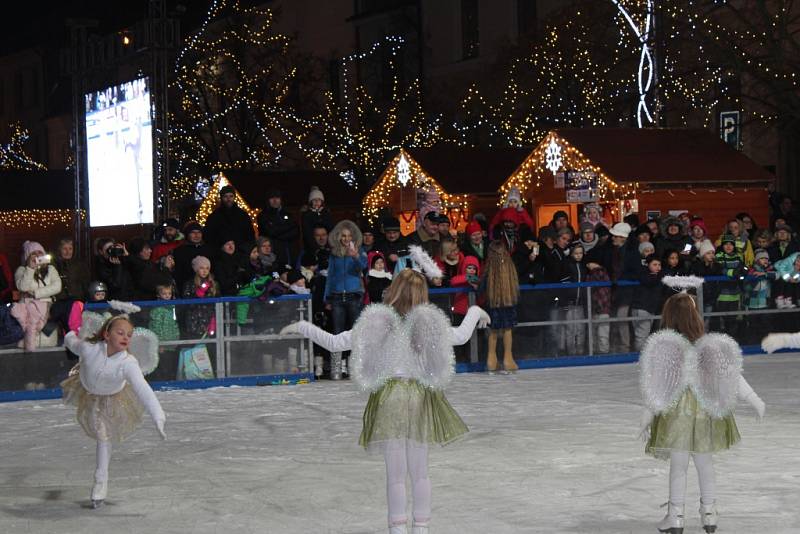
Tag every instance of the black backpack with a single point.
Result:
(10, 329)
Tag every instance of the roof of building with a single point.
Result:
(664, 155)
(37, 190)
(461, 170)
(294, 186)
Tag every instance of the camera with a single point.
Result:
(43, 259)
(116, 251)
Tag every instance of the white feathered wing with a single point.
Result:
(664, 366)
(716, 381)
(144, 347)
(431, 345)
(91, 322)
(371, 362)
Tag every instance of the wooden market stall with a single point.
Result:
(653, 172)
(465, 179)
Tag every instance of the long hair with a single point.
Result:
(213, 289)
(680, 314)
(333, 239)
(101, 334)
(408, 289)
(502, 283)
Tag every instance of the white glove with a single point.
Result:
(644, 424)
(758, 405)
(160, 428)
(290, 329)
(483, 320)
(773, 342)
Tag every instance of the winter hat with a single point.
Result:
(274, 193)
(391, 224)
(643, 229)
(761, 253)
(473, 227)
(293, 276)
(783, 226)
(136, 245)
(698, 221)
(601, 230)
(508, 214)
(315, 193)
(192, 226)
(28, 248)
(621, 230)
(647, 245)
(727, 238)
(308, 259)
(200, 261)
(442, 218)
(704, 247)
(586, 226)
(227, 189)
(651, 258)
(171, 223)
(433, 216)
(375, 257)
(560, 214)
(565, 230)
(547, 232)
(513, 193)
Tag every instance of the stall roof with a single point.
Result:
(294, 186)
(37, 190)
(462, 170)
(664, 155)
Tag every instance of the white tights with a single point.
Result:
(679, 464)
(403, 459)
(103, 459)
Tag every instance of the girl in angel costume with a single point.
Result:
(402, 353)
(690, 383)
(108, 386)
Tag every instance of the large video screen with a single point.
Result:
(119, 147)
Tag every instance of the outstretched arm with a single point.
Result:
(746, 393)
(326, 340)
(774, 342)
(475, 317)
(143, 391)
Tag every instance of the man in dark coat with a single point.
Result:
(229, 220)
(275, 223)
(193, 246)
(393, 244)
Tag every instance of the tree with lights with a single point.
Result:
(236, 83)
(13, 155)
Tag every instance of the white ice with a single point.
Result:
(550, 450)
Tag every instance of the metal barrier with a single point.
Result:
(555, 320)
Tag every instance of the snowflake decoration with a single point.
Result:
(349, 177)
(403, 170)
(552, 156)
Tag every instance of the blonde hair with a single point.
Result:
(408, 289)
(680, 314)
(101, 334)
(213, 288)
(502, 283)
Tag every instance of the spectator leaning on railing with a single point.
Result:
(170, 237)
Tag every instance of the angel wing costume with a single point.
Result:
(690, 391)
(404, 362)
(110, 392)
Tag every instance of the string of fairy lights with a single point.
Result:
(13, 155)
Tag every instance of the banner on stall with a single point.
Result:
(581, 186)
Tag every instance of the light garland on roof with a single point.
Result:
(36, 218)
(211, 202)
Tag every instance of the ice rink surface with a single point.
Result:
(550, 450)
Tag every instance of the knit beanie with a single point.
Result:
(647, 245)
(293, 276)
(727, 238)
(761, 253)
(513, 193)
(704, 247)
(316, 193)
(227, 189)
(200, 261)
(472, 228)
(697, 221)
(28, 248)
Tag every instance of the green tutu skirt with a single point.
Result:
(687, 427)
(405, 409)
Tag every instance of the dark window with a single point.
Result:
(19, 84)
(470, 42)
(526, 18)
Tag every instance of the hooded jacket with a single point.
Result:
(344, 271)
(461, 300)
(667, 242)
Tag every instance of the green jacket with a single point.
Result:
(164, 324)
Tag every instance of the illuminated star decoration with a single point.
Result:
(403, 170)
(553, 156)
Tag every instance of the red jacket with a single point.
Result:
(519, 216)
(164, 248)
(461, 300)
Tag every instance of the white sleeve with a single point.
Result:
(133, 375)
(744, 390)
(75, 344)
(326, 340)
(52, 287)
(462, 333)
(23, 279)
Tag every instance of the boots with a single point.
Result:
(673, 521)
(419, 528)
(398, 529)
(509, 365)
(99, 491)
(708, 517)
(491, 357)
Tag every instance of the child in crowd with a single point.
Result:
(200, 320)
(601, 306)
(647, 299)
(575, 301)
(501, 287)
(690, 382)
(110, 392)
(706, 265)
(378, 278)
(671, 263)
(730, 293)
(37, 282)
(402, 354)
(164, 324)
(98, 291)
(758, 292)
(449, 260)
(787, 286)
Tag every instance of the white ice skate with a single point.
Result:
(419, 528)
(398, 529)
(99, 491)
(708, 517)
(673, 521)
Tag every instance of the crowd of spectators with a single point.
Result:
(344, 265)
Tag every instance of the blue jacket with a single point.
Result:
(344, 274)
